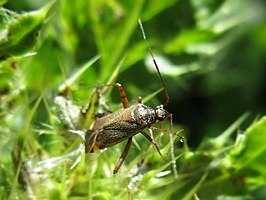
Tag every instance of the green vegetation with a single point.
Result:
(54, 56)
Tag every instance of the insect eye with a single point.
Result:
(161, 113)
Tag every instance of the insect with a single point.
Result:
(123, 124)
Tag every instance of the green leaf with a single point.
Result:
(21, 32)
(253, 148)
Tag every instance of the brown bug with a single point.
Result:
(123, 124)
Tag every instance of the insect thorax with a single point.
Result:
(143, 114)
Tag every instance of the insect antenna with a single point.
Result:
(154, 61)
(166, 101)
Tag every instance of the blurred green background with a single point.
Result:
(216, 53)
(211, 54)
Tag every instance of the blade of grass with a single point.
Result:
(152, 95)
(123, 39)
(193, 191)
(76, 75)
(19, 145)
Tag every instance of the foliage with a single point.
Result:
(54, 59)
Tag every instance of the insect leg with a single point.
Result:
(153, 142)
(165, 131)
(122, 94)
(172, 146)
(171, 142)
(123, 156)
(125, 103)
